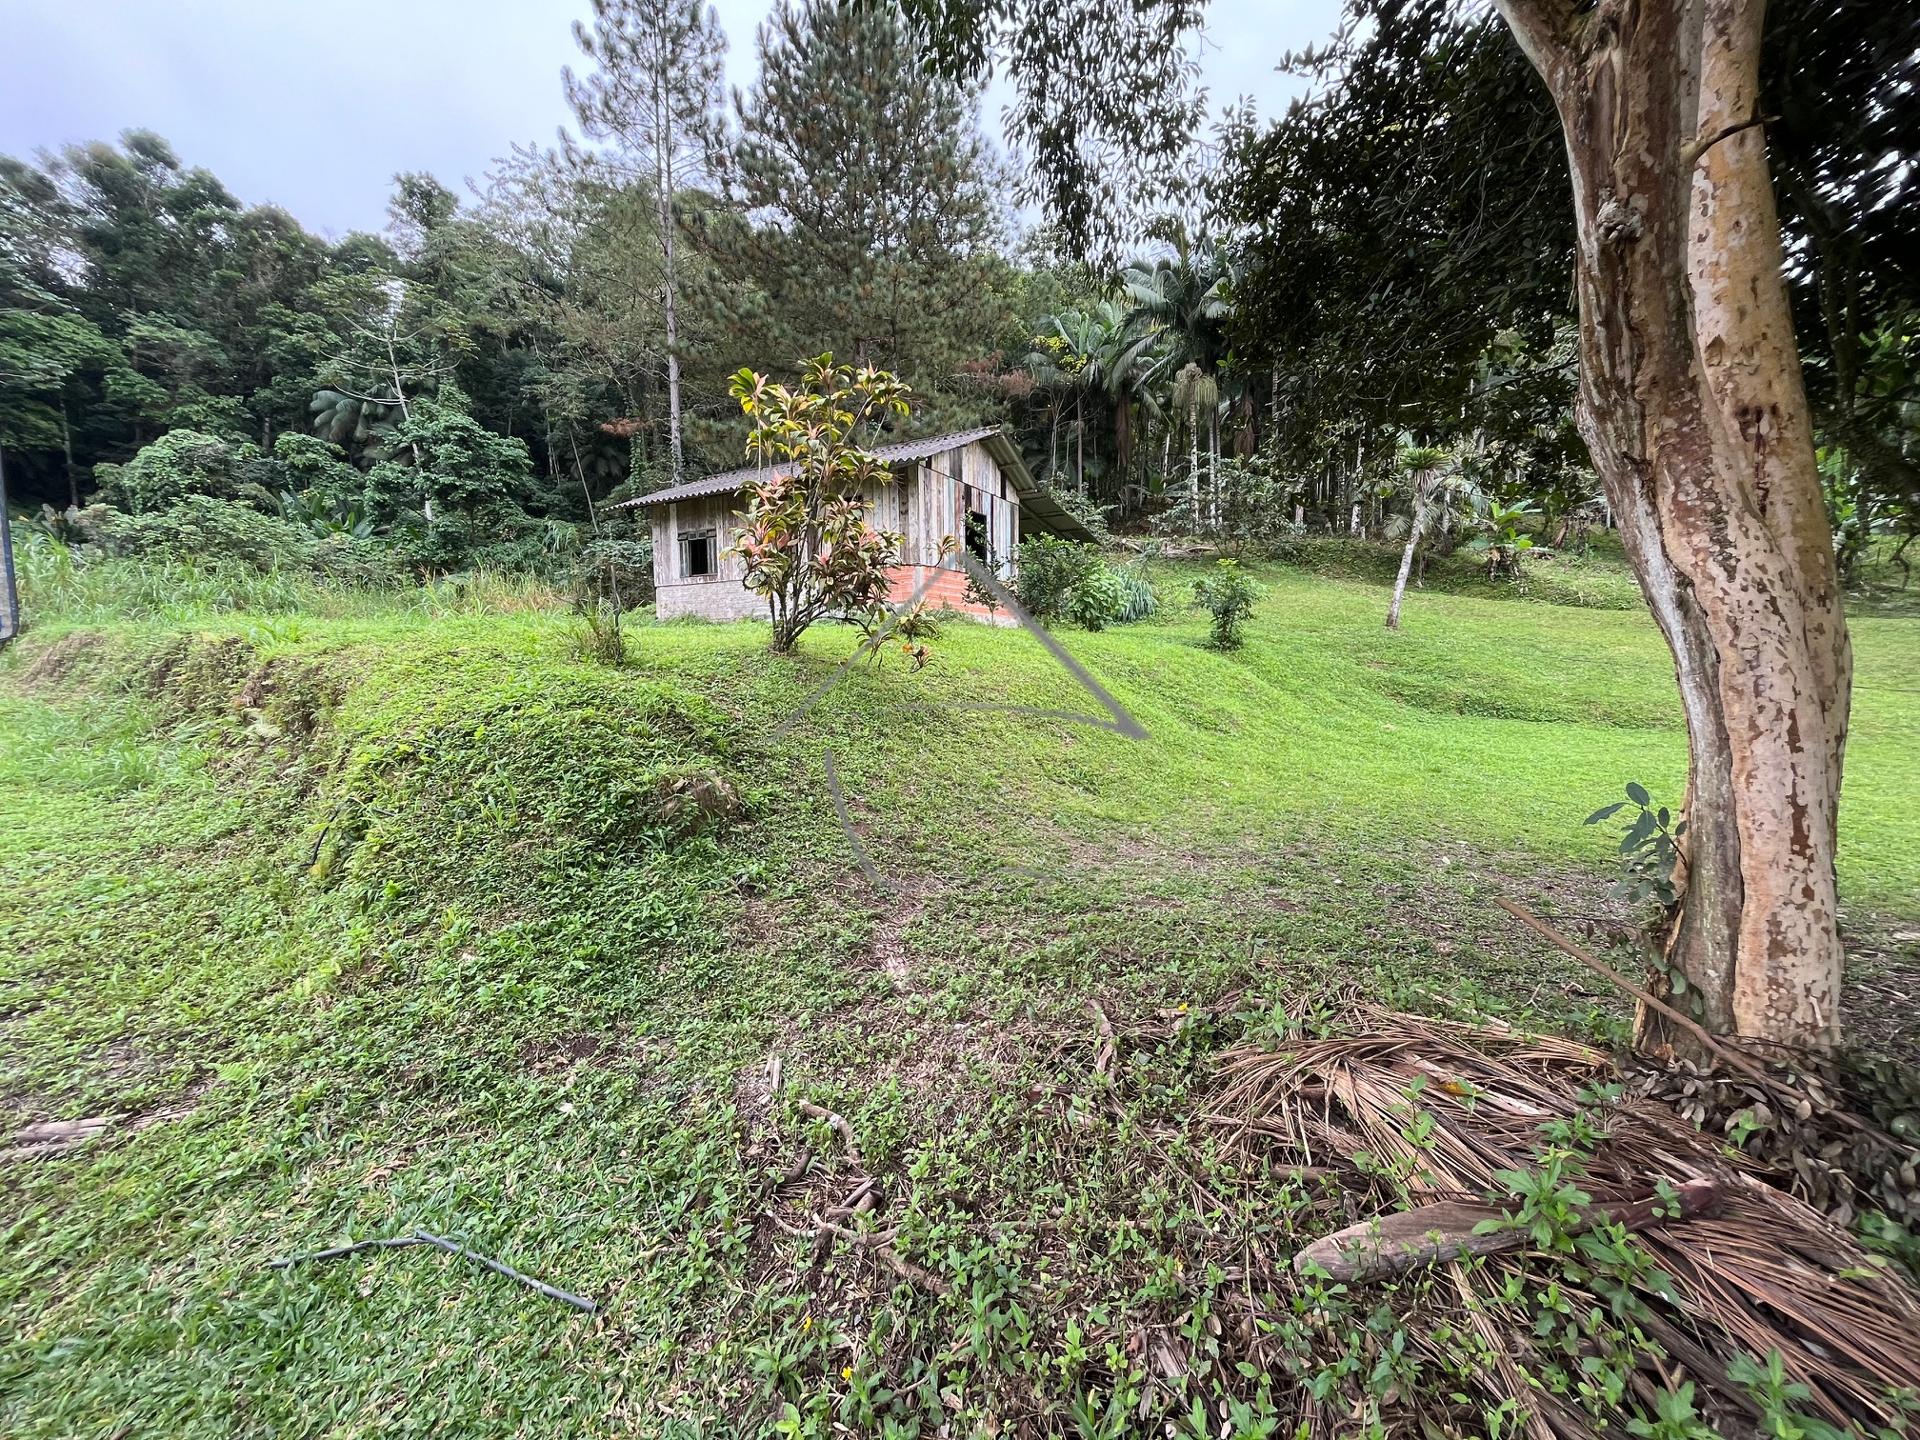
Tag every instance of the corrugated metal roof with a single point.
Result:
(1036, 504)
(727, 481)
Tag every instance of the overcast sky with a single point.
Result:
(315, 106)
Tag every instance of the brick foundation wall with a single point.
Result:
(946, 591)
(727, 599)
(721, 599)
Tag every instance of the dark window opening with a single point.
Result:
(977, 533)
(697, 554)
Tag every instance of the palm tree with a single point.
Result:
(1091, 356)
(1183, 301)
(1194, 391)
(1442, 492)
(1186, 298)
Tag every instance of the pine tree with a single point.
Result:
(871, 212)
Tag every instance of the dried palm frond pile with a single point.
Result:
(1611, 1310)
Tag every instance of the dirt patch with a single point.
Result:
(53, 664)
(759, 922)
(547, 1056)
(50, 1139)
(888, 948)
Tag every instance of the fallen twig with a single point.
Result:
(396, 1242)
(424, 1237)
(863, 1198)
(1103, 1057)
(801, 1164)
(838, 1125)
(881, 1248)
(1393, 1244)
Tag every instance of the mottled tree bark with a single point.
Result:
(1694, 410)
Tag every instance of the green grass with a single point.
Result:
(376, 920)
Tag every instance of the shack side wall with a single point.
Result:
(926, 503)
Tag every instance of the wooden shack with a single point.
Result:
(968, 484)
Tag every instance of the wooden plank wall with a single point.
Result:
(924, 504)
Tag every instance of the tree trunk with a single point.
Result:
(406, 414)
(1193, 470)
(1406, 569)
(9, 591)
(1421, 486)
(66, 449)
(1695, 414)
(669, 304)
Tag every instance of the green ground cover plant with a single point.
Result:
(409, 916)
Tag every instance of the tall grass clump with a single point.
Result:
(61, 583)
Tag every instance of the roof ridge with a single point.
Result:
(720, 482)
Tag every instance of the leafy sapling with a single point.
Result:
(1650, 850)
(1227, 595)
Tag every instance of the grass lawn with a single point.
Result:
(385, 921)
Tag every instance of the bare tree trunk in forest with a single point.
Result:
(1080, 444)
(669, 307)
(406, 414)
(1213, 468)
(66, 448)
(9, 588)
(1693, 408)
(1193, 469)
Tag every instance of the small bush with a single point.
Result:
(1140, 599)
(599, 638)
(1098, 600)
(615, 572)
(1227, 595)
(182, 464)
(200, 528)
(1057, 579)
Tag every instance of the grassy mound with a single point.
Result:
(360, 924)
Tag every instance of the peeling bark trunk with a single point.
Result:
(1693, 408)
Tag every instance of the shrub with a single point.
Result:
(615, 572)
(185, 463)
(806, 542)
(1057, 579)
(200, 528)
(599, 638)
(1048, 571)
(1244, 501)
(1227, 595)
(1099, 599)
(1139, 600)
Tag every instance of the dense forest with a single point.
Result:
(1379, 277)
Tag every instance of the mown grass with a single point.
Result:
(376, 922)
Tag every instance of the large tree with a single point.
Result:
(870, 217)
(1693, 406)
(1695, 415)
(656, 98)
(1398, 223)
